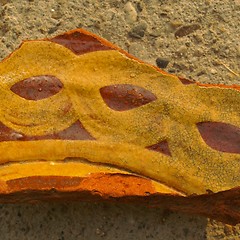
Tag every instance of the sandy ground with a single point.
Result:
(195, 39)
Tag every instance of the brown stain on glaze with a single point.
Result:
(122, 97)
(75, 132)
(220, 136)
(161, 147)
(37, 87)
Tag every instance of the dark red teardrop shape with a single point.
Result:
(161, 147)
(75, 132)
(220, 136)
(37, 87)
(122, 97)
(80, 43)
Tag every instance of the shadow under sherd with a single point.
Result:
(93, 221)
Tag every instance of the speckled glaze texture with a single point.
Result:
(82, 119)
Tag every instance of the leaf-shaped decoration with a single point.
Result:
(37, 87)
(220, 136)
(122, 97)
(81, 42)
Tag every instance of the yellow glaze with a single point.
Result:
(121, 137)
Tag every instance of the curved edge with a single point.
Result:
(223, 206)
(110, 45)
(105, 184)
(115, 47)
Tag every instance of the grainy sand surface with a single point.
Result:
(195, 39)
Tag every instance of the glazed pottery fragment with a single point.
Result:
(81, 119)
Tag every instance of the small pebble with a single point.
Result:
(56, 14)
(186, 30)
(139, 30)
(175, 24)
(162, 62)
(172, 70)
(53, 29)
(212, 70)
(131, 13)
